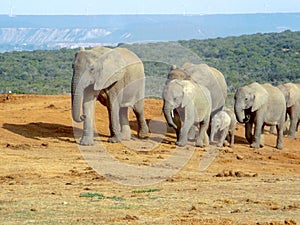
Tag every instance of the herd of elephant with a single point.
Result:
(194, 100)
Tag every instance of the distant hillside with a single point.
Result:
(54, 32)
(270, 57)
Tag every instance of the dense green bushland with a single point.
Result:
(271, 57)
(41, 72)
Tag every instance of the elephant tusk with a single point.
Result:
(172, 113)
(247, 118)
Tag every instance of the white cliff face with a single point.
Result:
(41, 36)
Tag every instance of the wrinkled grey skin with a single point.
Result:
(195, 101)
(224, 123)
(116, 78)
(260, 105)
(292, 96)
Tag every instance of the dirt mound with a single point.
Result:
(46, 178)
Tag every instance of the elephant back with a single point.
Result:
(129, 56)
(210, 78)
(178, 74)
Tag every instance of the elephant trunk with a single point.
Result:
(77, 94)
(241, 116)
(167, 109)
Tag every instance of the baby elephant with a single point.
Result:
(195, 101)
(224, 123)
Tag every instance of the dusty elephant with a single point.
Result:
(195, 100)
(292, 95)
(260, 105)
(224, 123)
(116, 78)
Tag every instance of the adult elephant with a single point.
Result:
(292, 96)
(207, 76)
(260, 105)
(116, 78)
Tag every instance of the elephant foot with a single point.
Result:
(114, 139)
(86, 140)
(279, 146)
(126, 133)
(191, 134)
(143, 132)
(291, 136)
(255, 145)
(199, 144)
(220, 145)
(181, 143)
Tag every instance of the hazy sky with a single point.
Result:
(99, 7)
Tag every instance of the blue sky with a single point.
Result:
(99, 7)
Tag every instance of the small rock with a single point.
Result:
(87, 189)
(239, 157)
(45, 144)
(239, 174)
(236, 211)
(228, 150)
(226, 173)
(129, 217)
(231, 173)
(192, 208)
(290, 222)
(221, 174)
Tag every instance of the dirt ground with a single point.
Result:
(46, 178)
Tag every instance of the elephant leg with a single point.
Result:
(293, 126)
(206, 139)
(115, 134)
(125, 128)
(223, 137)
(262, 137)
(272, 131)
(188, 123)
(88, 124)
(231, 138)
(279, 141)
(192, 133)
(177, 121)
(248, 132)
(257, 134)
(202, 137)
(138, 110)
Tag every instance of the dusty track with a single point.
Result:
(45, 180)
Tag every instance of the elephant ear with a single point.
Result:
(260, 96)
(294, 94)
(283, 88)
(187, 93)
(111, 69)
